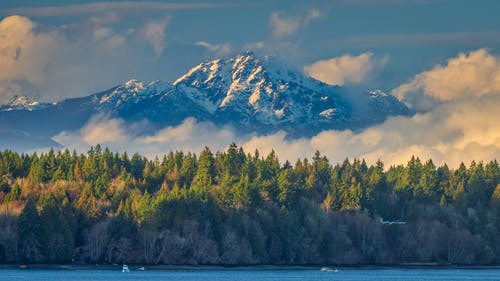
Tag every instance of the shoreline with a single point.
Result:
(134, 267)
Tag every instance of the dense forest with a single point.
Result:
(234, 207)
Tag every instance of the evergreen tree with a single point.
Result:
(29, 233)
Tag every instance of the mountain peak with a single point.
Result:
(262, 90)
(211, 71)
(246, 56)
(133, 83)
(387, 104)
(122, 93)
(377, 94)
(23, 103)
(247, 53)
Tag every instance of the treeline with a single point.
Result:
(237, 208)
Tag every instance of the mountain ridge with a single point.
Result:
(246, 92)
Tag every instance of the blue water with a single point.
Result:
(244, 275)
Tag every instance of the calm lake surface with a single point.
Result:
(243, 275)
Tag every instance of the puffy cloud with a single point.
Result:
(346, 69)
(100, 129)
(190, 135)
(285, 25)
(115, 133)
(20, 47)
(103, 130)
(282, 26)
(56, 62)
(154, 31)
(102, 33)
(219, 49)
(473, 74)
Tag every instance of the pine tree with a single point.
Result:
(29, 233)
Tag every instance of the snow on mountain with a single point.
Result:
(260, 90)
(122, 93)
(23, 103)
(130, 93)
(387, 104)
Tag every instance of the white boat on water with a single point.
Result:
(141, 268)
(125, 268)
(328, 269)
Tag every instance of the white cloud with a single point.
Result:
(19, 52)
(154, 31)
(56, 62)
(346, 69)
(102, 33)
(103, 130)
(219, 49)
(282, 26)
(115, 133)
(286, 25)
(190, 135)
(474, 74)
(99, 130)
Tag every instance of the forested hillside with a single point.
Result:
(236, 208)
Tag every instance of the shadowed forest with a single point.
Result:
(234, 207)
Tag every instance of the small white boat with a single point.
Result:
(328, 269)
(141, 268)
(125, 268)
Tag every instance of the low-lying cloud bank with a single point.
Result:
(116, 134)
(463, 126)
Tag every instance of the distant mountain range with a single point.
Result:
(246, 92)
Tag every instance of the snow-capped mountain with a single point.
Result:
(249, 93)
(260, 94)
(23, 103)
(387, 104)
